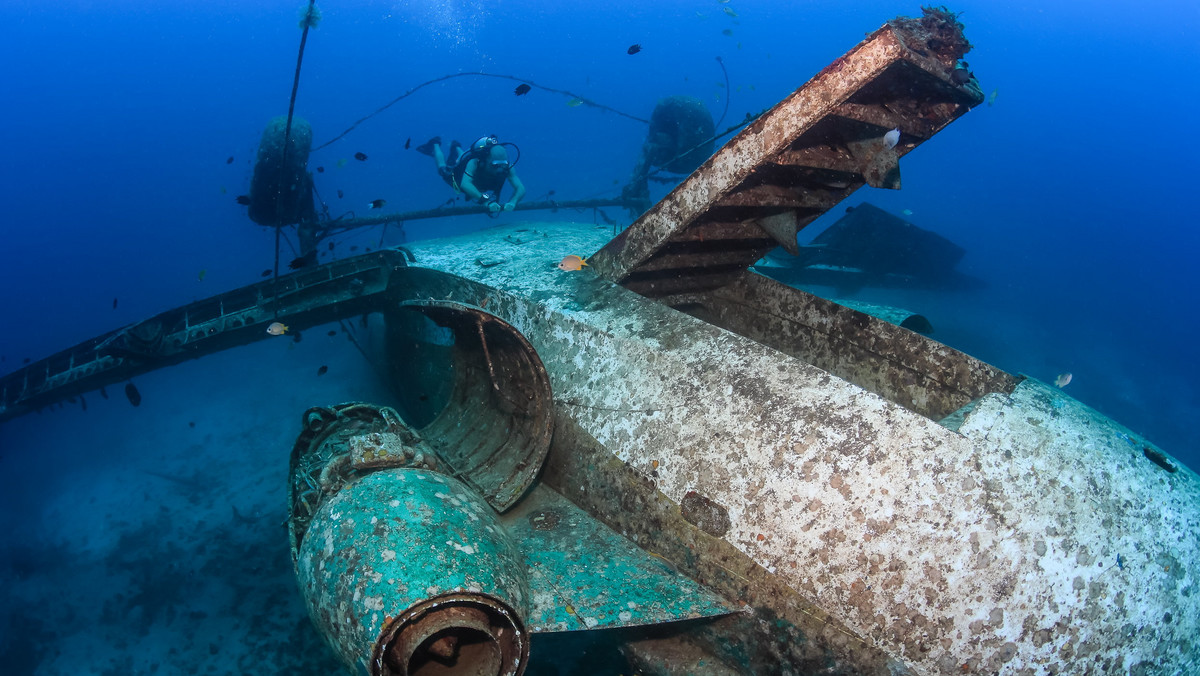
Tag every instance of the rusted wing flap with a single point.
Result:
(771, 134)
(583, 575)
(810, 151)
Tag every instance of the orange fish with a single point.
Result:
(1062, 380)
(277, 328)
(572, 263)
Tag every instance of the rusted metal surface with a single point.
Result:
(797, 160)
(472, 633)
(339, 289)
(904, 367)
(909, 547)
(585, 576)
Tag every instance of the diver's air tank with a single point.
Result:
(281, 189)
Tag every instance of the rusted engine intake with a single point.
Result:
(395, 536)
(405, 570)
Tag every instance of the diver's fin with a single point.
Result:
(426, 148)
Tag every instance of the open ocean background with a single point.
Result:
(1069, 195)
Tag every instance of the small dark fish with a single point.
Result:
(633, 49)
(354, 248)
(340, 195)
(230, 160)
(132, 394)
(727, 32)
(522, 90)
(242, 199)
(70, 400)
(104, 393)
(361, 157)
(323, 370)
(192, 424)
(114, 303)
(320, 170)
(83, 402)
(408, 143)
(304, 261)
(378, 204)
(961, 76)
(26, 360)
(333, 333)
(266, 273)
(297, 336)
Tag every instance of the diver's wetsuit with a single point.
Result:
(485, 181)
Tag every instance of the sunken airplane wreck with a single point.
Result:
(870, 247)
(735, 475)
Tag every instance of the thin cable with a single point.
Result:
(310, 19)
(443, 78)
(727, 92)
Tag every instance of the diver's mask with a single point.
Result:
(485, 143)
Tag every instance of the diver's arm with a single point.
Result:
(518, 190)
(468, 183)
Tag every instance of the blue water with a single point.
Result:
(1070, 194)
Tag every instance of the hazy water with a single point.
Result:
(1069, 193)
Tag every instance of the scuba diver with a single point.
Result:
(478, 172)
